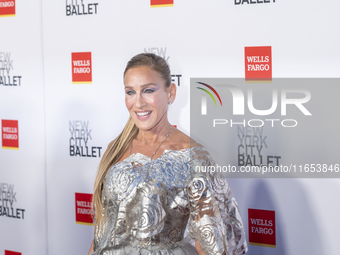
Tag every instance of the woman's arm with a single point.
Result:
(91, 249)
(198, 248)
(215, 221)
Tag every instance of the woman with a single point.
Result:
(146, 191)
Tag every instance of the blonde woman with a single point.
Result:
(148, 199)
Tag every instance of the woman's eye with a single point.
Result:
(129, 92)
(148, 90)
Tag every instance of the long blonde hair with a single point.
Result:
(118, 146)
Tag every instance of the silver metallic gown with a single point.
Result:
(161, 206)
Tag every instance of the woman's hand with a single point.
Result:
(91, 249)
(198, 248)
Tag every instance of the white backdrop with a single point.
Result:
(23, 169)
(199, 39)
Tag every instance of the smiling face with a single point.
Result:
(146, 97)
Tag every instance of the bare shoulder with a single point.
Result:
(182, 141)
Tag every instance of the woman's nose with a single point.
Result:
(139, 101)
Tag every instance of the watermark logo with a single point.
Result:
(161, 3)
(238, 104)
(265, 129)
(261, 227)
(204, 98)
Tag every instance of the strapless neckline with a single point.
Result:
(165, 152)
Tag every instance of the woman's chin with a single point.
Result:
(143, 125)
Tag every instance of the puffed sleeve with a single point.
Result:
(215, 221)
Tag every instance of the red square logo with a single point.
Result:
(161, 3)
(83, 209)
(7, 8)
(12, 253)
(258, 63)
(10, 134)
(81, 67)
(261, 227)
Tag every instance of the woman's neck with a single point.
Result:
(154, 135)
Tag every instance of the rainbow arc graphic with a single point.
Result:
(213, 90)
(204, 101)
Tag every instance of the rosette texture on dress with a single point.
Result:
(161, 206)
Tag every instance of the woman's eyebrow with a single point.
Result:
(144, 85)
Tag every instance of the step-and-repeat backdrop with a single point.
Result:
(62, 102)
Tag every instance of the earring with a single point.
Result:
(170, 102)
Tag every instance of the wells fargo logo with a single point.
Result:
(10, 134)
(261, 228)
(161, 3)
(7, 8)
(12, 253)
(81, 67)
(83, 209)
(258, 63)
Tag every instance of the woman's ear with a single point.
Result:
(172, 93)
